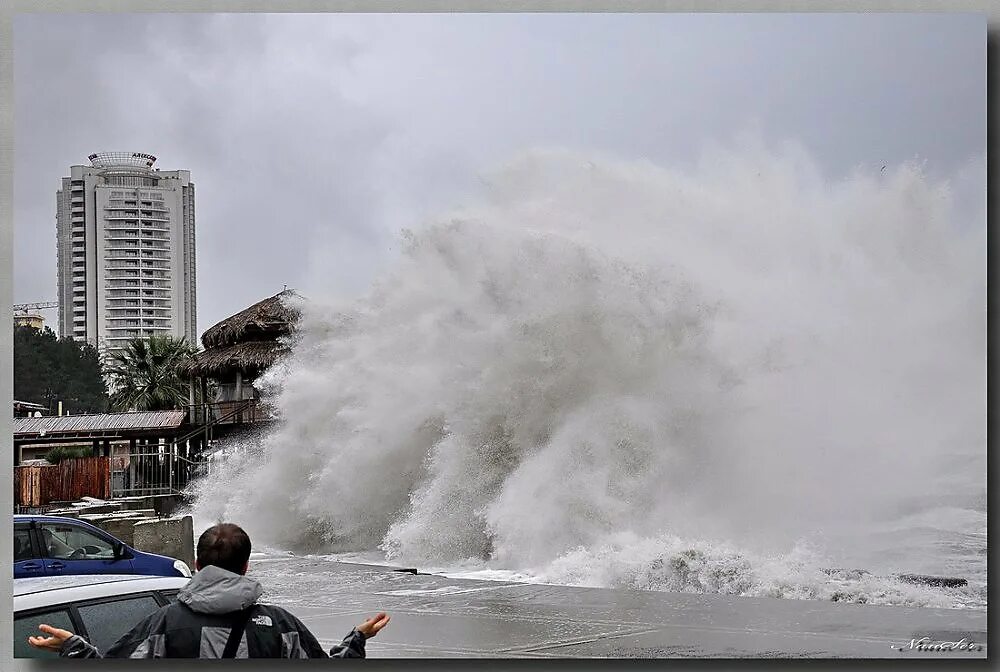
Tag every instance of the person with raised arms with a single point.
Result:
(216, 615)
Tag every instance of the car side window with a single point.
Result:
(27, 626)
(72, 542)
(106, 622)
(22, 544)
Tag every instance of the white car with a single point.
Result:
(99, 607)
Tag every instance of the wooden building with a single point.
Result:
(143, 452)
(237, 351)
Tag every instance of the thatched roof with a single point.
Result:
(265, 320)
(251, 357)
(251, 340)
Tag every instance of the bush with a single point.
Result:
(67, 452)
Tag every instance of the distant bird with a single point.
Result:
(883, 169)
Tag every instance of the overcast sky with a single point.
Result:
(312, 139)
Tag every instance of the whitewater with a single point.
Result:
(739, 376)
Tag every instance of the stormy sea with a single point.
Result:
(739, 376)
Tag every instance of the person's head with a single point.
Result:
(226, 546)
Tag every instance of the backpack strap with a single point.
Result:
(236, 634)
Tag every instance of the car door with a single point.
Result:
(105, 621)
(68, 548)
(101, 621)
(26, 625)
(27, 556)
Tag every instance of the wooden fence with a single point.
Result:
(67, 481)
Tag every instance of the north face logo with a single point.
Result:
(262, 620)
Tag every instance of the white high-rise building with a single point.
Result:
(126, 251)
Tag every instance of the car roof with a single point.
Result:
(63, 520)
(46, 591)
(23, 517)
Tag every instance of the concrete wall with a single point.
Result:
(166, 536)
(162, 505)
(119, 525)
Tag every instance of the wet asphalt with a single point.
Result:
(439, 617)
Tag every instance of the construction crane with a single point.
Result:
(25, 308)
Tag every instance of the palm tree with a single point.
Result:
(144, 376)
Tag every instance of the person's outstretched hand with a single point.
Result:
(55, 639)
(371, 626)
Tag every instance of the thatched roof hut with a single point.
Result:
(249, 341)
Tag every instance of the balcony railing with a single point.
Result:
(231, 412)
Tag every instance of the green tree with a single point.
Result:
(48, 370)
(144, 375)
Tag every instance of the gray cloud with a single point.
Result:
(313, 138)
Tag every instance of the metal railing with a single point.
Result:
(167, 468)
(229, 412)
(153, 470)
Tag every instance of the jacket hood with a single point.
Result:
(214, 590)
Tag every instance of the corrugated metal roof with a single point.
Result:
(104, 422)
(28, 404)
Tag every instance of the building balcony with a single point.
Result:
(155, 283)
(231, 412)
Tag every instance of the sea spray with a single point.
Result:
(742, 355)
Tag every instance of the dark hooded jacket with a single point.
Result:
(199, 624)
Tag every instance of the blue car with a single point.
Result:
(52, 546)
